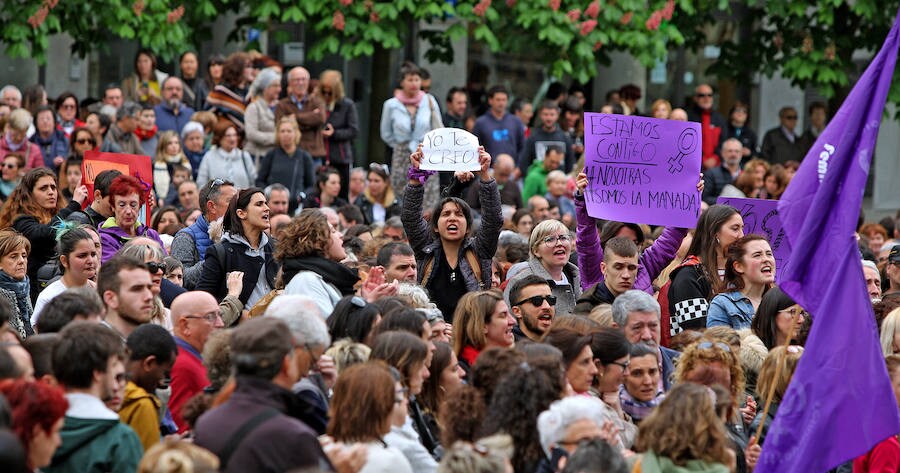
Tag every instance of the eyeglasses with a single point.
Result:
(710, 345)
(793, 311)
(67, 106)
(10, 165)
(327, 93)
(538, 301)
(83, 141)
(623, 365)
(790, 117)
(552, 241)
(210, 317)
(155, 267)
(702, 96)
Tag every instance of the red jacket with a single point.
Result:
(883, 458)
(188, 379)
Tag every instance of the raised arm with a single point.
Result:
(491, 212)
(587, 240)
(662, 251)
(414, 224)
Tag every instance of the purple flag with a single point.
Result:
(840, 402)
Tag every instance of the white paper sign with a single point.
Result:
(450, 149)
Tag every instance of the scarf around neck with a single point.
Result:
(336, 274)
(22, 291)
(415, 100)
(638, 410)
(145, 134)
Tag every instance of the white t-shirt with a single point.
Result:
(54, 289)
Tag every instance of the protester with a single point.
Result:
(405, 119)
(127, 196)
(14, 283)
(53, 143)
(341, 125)
(611, 356)
(245, 247)
(81, 303)
(93, 438)
(176, 456)
(168, 155)
(641, 392)
(699, 276)
(15, 139)
(378, 201)
(782, 360)
(190, 244)
(287, 164)
(32, 209)
(884, 456)
(259, 117)
(533, 305)
(578, 357)
(79, 261)
(37, 418)
(151, 353)
(449, 258)
(101, 205)
(148, 251)
(308, 110)
(568, 424)
(254, 430)
(749, 273)
(145, 84)
(481, 321)
(637, 314)
(228, 98)
(226, 160)
(685, 432)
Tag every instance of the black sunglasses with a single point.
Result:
(538, 301)
(155, 267)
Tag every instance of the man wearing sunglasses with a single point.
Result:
(533, 306)
(712, 123)
(781, 144)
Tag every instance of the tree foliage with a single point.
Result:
(810, 43)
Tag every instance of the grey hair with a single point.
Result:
(128, 109)
(303, 316)
(275, 187)
(140, 250)
(871, 265)
(263, 80)
(633, 301)
(553, 423)
(19, 119)
(191, 127)
(11, 87)
(416, 294)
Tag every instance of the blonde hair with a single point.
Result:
(347, 353)
(164, 139)
(602, 314)
(178, 456)
(19, 120)
(555, 175)
(889, 326)
(657, 103)
(290, 120)
(787, 357)
(333, 79)
(543, 230)
(694, 357)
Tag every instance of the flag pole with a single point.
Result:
(771, 393)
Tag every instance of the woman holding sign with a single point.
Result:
(749, 273)
(699, 277)
(405, 119)
(451, 262)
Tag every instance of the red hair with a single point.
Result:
(125, 185)
(33, 403)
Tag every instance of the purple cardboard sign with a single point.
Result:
(642, 170)
(761, 218)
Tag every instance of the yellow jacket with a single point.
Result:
(140, 410)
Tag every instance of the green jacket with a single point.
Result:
(651, 463)
(96, 445)
(535, 181)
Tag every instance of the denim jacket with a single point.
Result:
(731, 309)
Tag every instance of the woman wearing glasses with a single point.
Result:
(778, 319)
(67, 111)
(341, 125)
(287, 164)
(32, 210)
(378, 202)
(127, 196)
(749, 273)
(11, 174)
(15, 139)
(551, 246)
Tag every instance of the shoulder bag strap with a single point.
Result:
(472, 258)
(240, 434)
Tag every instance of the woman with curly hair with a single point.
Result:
(33, 208)
(481, 321)
(685, 432)
(38, 410)
(710, 362)
(517, 402)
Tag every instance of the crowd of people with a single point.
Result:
(283, 310)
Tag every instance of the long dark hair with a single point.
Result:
(232, 223)
(705, 242)
(764, 323)
(432, 394)
(463, 206)
(21, 200)
(67, 237)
